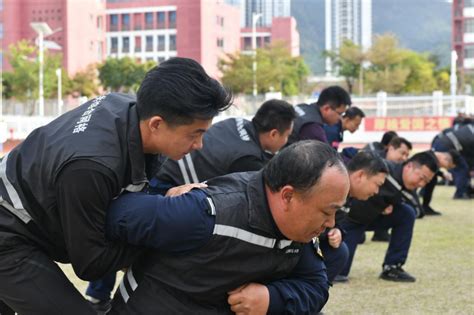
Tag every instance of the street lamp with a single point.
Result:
(42, 29)
(255, 17)
(453, 81)
(60, 98)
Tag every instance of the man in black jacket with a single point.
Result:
(332, 103)
(234, 145)
(460, 139)
(57, 185)
(241, 245)
(393, 207)
(367, 172)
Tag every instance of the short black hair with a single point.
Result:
(396, 142)
(179, 90)
(455, 156)
(368, 161)
(301, 165)
(426, 158)
(387, 136)
(274, 114)
(353, 112)
(335, 96)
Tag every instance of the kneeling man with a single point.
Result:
(243, 244)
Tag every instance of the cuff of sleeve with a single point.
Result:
(276, 304)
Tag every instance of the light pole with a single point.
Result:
(42, 29)
(60, 96)
(255, 17)
(453, 81)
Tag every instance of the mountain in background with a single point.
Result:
(420, 25)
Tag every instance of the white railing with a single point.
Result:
(17, 120)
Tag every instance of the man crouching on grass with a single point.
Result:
(243, 244)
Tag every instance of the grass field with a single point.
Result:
(441, 258)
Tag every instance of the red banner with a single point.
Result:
(407, 123)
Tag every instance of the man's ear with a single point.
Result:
(155, 122)
(287, 193)
(274, 133)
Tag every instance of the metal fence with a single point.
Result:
(18, 119)
(381, 105)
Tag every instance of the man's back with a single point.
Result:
(230, 146)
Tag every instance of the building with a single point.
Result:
(156, 30)
(347, 19)
(78, 28)
(463, 34)
(268, 8)
(283, 29)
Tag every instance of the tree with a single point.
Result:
(84, 83)
(277, 70)
(421, 78)
(387, 72)
(22, 83)
(123, 75)
(349, 60)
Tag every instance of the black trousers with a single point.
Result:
(30, 281)
(428, 191)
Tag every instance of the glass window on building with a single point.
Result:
(1, 30)
(220, 42)
(99, 23)
(161, 42)
(173, 42)
(149, 20)
(113, 22)
(113, 44)
(469, 52)
(149, 43)
(172, 19)
(125, 21)
(126, 44)
(468, 3)
(160, 19)
(161, 59)
(469, 26)
(247, 43)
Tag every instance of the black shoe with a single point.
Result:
(381, 236)
(430, 211)
(101, 307)
(464, 196)
(340, 279)
(397, 274)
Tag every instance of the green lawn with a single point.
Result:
(441, 258)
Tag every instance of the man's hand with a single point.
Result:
(448, 176)
(179, 190)
(249, 299)
(388, 210)
(334, 237)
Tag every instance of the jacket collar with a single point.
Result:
(142, 166)
(260, 216)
